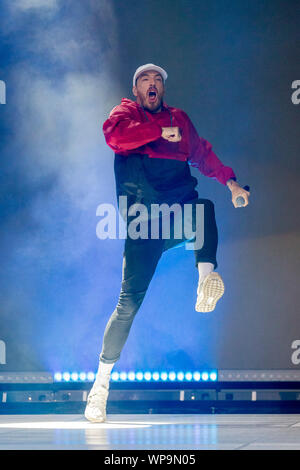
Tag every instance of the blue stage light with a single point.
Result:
(196, 376)
(115, 376)
(213, 376)
(180, 376)
(57, 376)
(66, 376)
(164, 376)
(82, 376)
(131, 376)
(140, 376)
(91, 376)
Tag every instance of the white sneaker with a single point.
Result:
(95, 410)
(209, 291)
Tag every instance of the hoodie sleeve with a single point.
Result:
(124, 132)
(203, 157)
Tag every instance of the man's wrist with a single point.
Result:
(231, 183)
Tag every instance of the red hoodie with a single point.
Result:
(130, 129)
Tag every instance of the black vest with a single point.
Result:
(153, 180)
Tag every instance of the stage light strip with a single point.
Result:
(139, 376)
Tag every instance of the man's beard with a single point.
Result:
(151, 107)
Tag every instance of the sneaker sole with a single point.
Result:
(88, 414)
(95, 420)
(213, 289)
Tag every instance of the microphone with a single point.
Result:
(240, 201)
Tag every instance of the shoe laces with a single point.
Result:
(98, 396)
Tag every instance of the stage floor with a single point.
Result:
(150, 432)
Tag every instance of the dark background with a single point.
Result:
(66, 64)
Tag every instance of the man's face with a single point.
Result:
(149, 90)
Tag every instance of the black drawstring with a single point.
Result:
(170, 115)
(145, 113)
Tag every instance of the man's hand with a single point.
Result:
(172, 134)
(236, 191)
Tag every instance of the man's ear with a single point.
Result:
(134, 91)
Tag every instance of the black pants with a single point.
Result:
(140, 258)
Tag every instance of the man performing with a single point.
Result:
(154, 145)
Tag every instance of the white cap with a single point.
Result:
(144, 68)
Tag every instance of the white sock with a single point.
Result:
(204, 269)
(103, 374)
